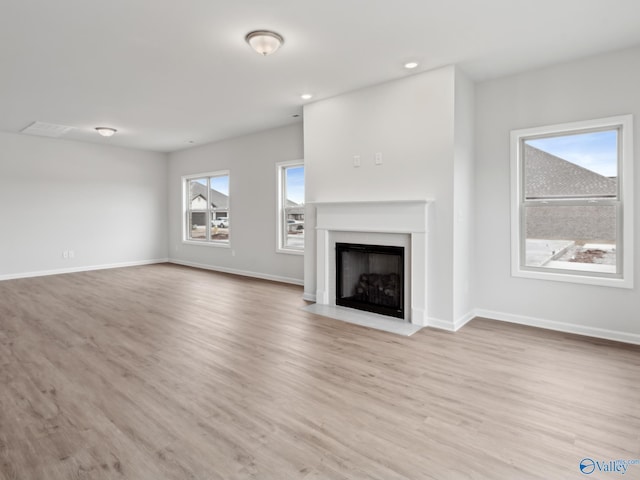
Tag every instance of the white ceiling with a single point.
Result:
(167, 72)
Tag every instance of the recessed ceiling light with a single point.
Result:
(410, 65)
(306, 96)
(106, 131)
(264, 42)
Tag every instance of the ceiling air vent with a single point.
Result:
(47, 129)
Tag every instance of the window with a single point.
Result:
(206, 198)
(290, 207)
(572, 200)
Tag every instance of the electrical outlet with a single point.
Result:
(378, 158)
(356, 160)
(72, 254)
(65, 254)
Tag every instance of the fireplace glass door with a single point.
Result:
(370, 278)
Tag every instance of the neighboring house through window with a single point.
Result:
(206, 198)
(290, 181)
(572, 202)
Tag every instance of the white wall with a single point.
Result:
(595, 87)
(107, 204)
(251, 160)
(411, 122)
(463, 198)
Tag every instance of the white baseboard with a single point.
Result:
(244, 273)
(309, 297)
(462, 321)
(536, 322)
(441, 324)
(451, 326)
(59, 271)
(560, 326)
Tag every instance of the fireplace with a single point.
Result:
(370, 278)
(405, 225)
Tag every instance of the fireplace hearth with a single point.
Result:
(370, 278)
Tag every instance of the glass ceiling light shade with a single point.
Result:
(106, 131)
(264, 42)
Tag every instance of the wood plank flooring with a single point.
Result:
(167, 372)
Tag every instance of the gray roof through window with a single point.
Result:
(549, 176)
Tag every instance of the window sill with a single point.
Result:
(583, 279)
(290, 251)
(207, 244)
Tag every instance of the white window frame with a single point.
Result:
(281, 168)
(625, 246)
(186, 210)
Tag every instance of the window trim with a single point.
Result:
(185, 210)
(624, 203)
(281, 168)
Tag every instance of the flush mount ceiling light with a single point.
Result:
(306, 96)
(264, 42)
(106, 131)
(410, 65)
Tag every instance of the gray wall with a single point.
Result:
(251, 160)
(107, 204)
(595, 87)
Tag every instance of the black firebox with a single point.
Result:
(370, 278)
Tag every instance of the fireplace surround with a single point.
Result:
(400, 223)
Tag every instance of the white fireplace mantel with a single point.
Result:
(371, 220)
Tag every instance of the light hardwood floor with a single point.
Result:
(166, 372)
